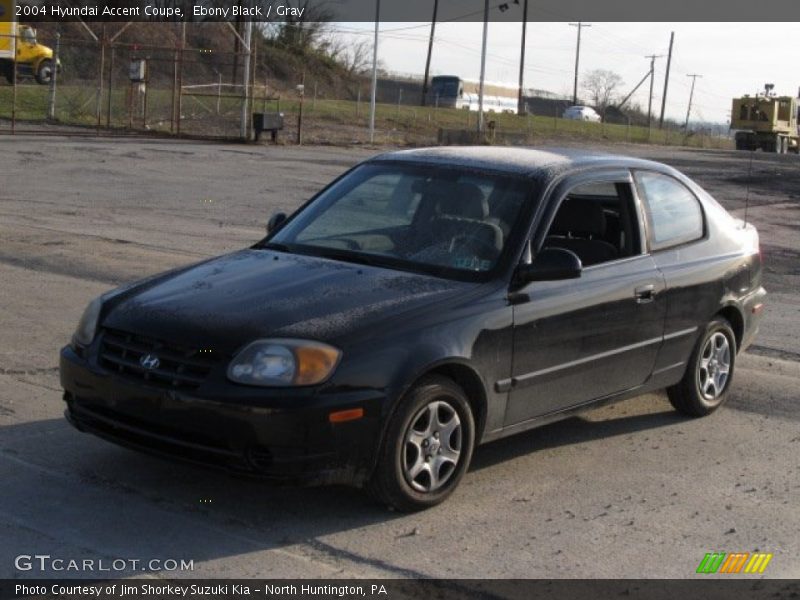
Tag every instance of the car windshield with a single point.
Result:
(446, 221)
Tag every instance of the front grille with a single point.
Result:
(179, 367)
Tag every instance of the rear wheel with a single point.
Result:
(708, 376)
(427, 448)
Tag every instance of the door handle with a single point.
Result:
(645, 293)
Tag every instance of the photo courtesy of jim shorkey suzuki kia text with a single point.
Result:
(56, 11)
(170, 590)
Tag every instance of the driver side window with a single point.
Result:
(598, 222)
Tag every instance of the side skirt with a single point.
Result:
(658, 381)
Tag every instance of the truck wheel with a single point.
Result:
(7, 70)
(45, 71)
(427, 447)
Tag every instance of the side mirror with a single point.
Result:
(551, 264)
(275, 221)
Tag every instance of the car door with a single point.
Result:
(586, 338)
(693, 268)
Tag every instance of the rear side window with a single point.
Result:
(674, 214)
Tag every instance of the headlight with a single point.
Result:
(284, 363)
(87, 326)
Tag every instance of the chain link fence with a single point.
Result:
(104, 86)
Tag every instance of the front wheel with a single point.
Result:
(45, 71)
(708, 376)
(427, 448)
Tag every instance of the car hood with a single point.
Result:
(234, 299)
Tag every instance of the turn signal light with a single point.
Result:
(342, 416)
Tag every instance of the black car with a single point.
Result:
(423, 303)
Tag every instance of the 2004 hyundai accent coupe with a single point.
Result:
(423, 303)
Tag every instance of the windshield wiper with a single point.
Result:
(347, 256)
(324, 252)
(274, 246)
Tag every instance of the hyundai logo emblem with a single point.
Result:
(149, 361)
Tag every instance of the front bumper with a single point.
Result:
(278, 435)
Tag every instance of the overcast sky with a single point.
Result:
(733, 58)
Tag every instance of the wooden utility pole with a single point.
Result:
(580, 26)
(430, 51)
(666, 82)
(520, 98)
(652, 58)
(694, 77)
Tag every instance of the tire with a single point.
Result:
(704, 387)
(7, 70)
(44, 72)
(403, 479)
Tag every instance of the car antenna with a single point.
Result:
(747, 188)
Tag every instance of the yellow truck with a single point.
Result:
(19, 48)
(766, 122)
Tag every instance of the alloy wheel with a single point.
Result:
(432, 446)
(714, 367)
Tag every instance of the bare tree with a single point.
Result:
(601, 86)
(354, 57)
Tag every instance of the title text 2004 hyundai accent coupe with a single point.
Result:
(425, 302)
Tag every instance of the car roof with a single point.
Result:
(545, 162)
